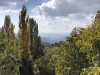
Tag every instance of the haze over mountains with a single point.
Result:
(52, 37)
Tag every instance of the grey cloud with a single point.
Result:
(64, 8)
(79, 16)
(6, 2)
(88, 2)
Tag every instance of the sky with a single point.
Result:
(52, 16)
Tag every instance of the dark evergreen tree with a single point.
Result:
(7, 22)
(31, 21)
(36, 46)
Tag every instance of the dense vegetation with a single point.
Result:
(26, 55)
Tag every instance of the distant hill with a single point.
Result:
(52, 40)
(49, 38)
(52, 37)
(46, 44)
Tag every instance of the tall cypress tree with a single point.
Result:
(11, 31)
(36, 46)
(7, 22)
(26, 65)
(31, 21)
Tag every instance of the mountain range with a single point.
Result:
(52, 37)
(49, 38)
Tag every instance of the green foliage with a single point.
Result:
(9, 57)
(98, 11)
(91, 71)
(46, 64)
(70, 60)
(90, 44)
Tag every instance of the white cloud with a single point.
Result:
(90, 17)
(36, 16)
(1, 8)
(10, 11)
(12, 3)
(58, 24)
